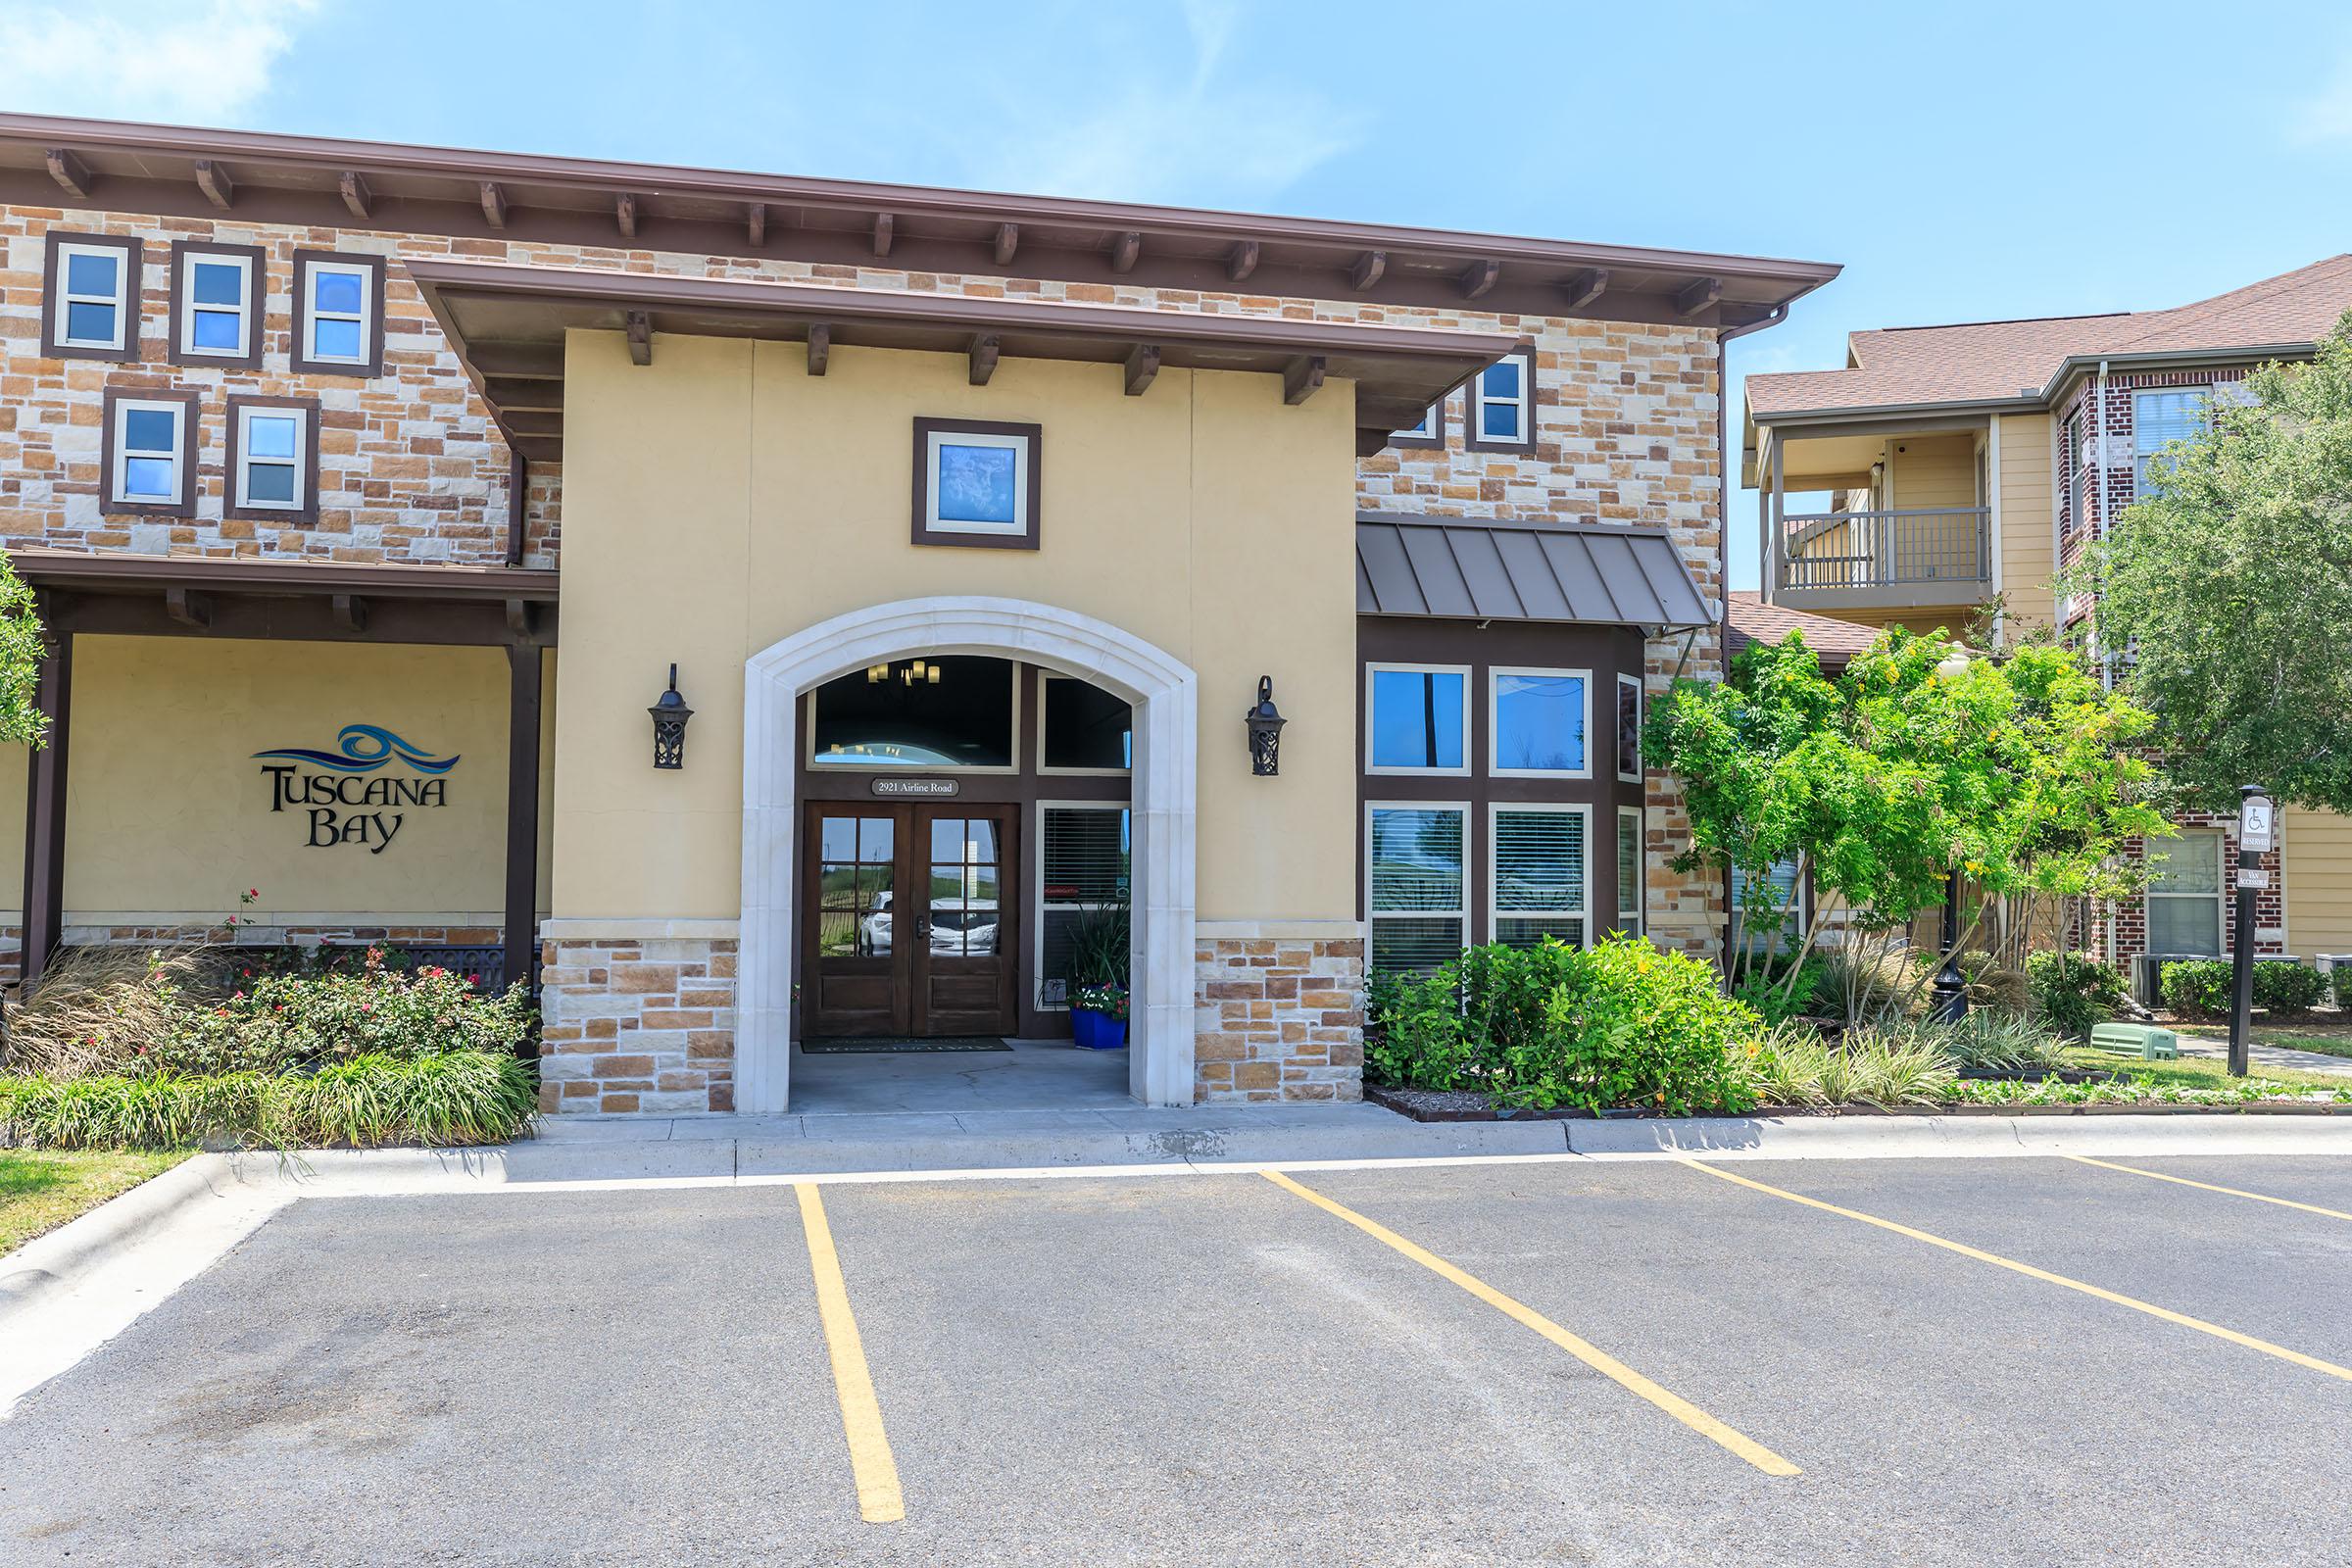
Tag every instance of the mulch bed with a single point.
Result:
(1466, 1104)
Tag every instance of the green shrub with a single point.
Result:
(1994, 1040)
(1621, 1023)
(1900, 1064)
(447, 1097)
(1768, 989)
(293, 1020)
(2341, 974)
(2196, 989)
(2073, 991)
(2287, 991)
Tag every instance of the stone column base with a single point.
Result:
(1279, 1019)
(637, 1026)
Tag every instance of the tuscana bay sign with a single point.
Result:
(362, 792)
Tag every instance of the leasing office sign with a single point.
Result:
(362, 792)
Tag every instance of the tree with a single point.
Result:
(22, 722)
(2226, 592)
(2017, 769)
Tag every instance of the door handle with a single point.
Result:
(922, 927)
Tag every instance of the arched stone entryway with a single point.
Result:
(1165, 698)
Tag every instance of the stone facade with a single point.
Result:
(638, 1026)
(1280, 1018)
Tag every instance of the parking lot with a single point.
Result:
(2026, 1360)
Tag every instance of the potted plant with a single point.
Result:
(1099, 1017)
(1096, 975)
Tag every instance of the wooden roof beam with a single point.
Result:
(624, 215)
(350, 612)
(190, 607)
(1300, 378)
(357, 199)
(821, 347)
(1241, 260)
(1367, 269)
(641, 337)
(1143, 364)
(212, 178)
(984, 350)
(494, 205)
(1125, 251)
(1480, 277)
(1696, 295)
(72, 175)
(1585, 287)
(885, 229)
(755, 225)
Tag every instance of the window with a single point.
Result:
(2070, 468)
(272, 458)
(975, 483)
(1416, 882)
(91, 294)
(1770, 917)
(1630, 870)
(1538, 723)
(2159, 419)
(150, 444)
(339, 314)
(1084, 857)
(2184, 894)
(215, 304)
(1430, 432)
(1540, 874)
(1503, 405)
(1628, 728)
(1417, 719)
(1086, 729)
(917, 714)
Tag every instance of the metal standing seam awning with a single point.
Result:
(1465, 569)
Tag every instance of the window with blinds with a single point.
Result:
(1769, 916)
(2186, 894)
(1084, 862)
(2159, 419)
(1540, 874)
(1417, 883)
(1629, 870)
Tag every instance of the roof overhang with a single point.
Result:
(507, 324)
(1462, 569)
(264, 178)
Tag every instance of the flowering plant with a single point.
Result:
(1108, 1000)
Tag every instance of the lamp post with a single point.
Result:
(2257, 832)
(1948, 995)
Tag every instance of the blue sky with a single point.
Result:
(1963, 164)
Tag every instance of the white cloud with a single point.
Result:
(2326, 115)
(1168, 133)
(149, 59)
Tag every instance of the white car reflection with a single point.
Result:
(966, 930)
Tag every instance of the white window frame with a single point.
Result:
(1525, 405)
(2139, 458)
(1495, 767)
(121, 452)
(1037, 893)
(248, 307)
(126, 266)
(2219, 897)
(1022, 479)
(1497, 811)
(1639, 913)
(1641, 705)
(1043, 710)
(1430, 432)
(1464, 809)
(312, 314)
(1371, 716)
(241, 487)
(845, 764)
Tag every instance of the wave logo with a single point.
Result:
(364, 749)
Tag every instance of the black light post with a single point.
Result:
(1949, 993)
(2257, 830)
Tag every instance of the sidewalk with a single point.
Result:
(2279, 1058)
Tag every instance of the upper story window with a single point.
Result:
(1418, 719)
(976, 483)
(1430, 432)
(339, 314)
(2159, 419)
(216, 304)
(1538, 723)
(272, 458)
(150, 452)
(1503, 405)
(91, 298)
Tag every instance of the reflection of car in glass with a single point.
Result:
(955, 928)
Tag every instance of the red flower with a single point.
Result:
(253, 892)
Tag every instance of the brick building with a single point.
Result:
(374, 493)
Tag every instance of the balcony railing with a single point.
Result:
(1886, 549)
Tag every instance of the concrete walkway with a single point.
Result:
(2279, 1058)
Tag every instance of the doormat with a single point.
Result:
(880, 1044)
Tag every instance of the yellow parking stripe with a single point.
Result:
(1608, 1366)
(2233, 1192)
(2042, 1274)
(876, 1472)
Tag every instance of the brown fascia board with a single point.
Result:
(122, 573)
(1425, 265)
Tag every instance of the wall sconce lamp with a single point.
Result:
(671, 714)
(1266, 731)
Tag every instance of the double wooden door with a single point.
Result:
(909, 914)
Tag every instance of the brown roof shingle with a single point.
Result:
(1755, 621)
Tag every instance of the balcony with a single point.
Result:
(1895, 559)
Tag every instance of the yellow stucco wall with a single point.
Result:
(169, 814)
(2027, 520)
(722, 499)
(2318, 882)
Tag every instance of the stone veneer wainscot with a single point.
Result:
(637, 1023)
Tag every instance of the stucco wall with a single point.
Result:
(722, 498)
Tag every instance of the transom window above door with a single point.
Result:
(1418, 719)
(954, 710)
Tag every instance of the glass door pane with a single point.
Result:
(856, 885)
(965, 876)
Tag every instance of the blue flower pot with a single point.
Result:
(1096, 1031)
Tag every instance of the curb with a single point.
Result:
(54, 1259)
(1958, 1136)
